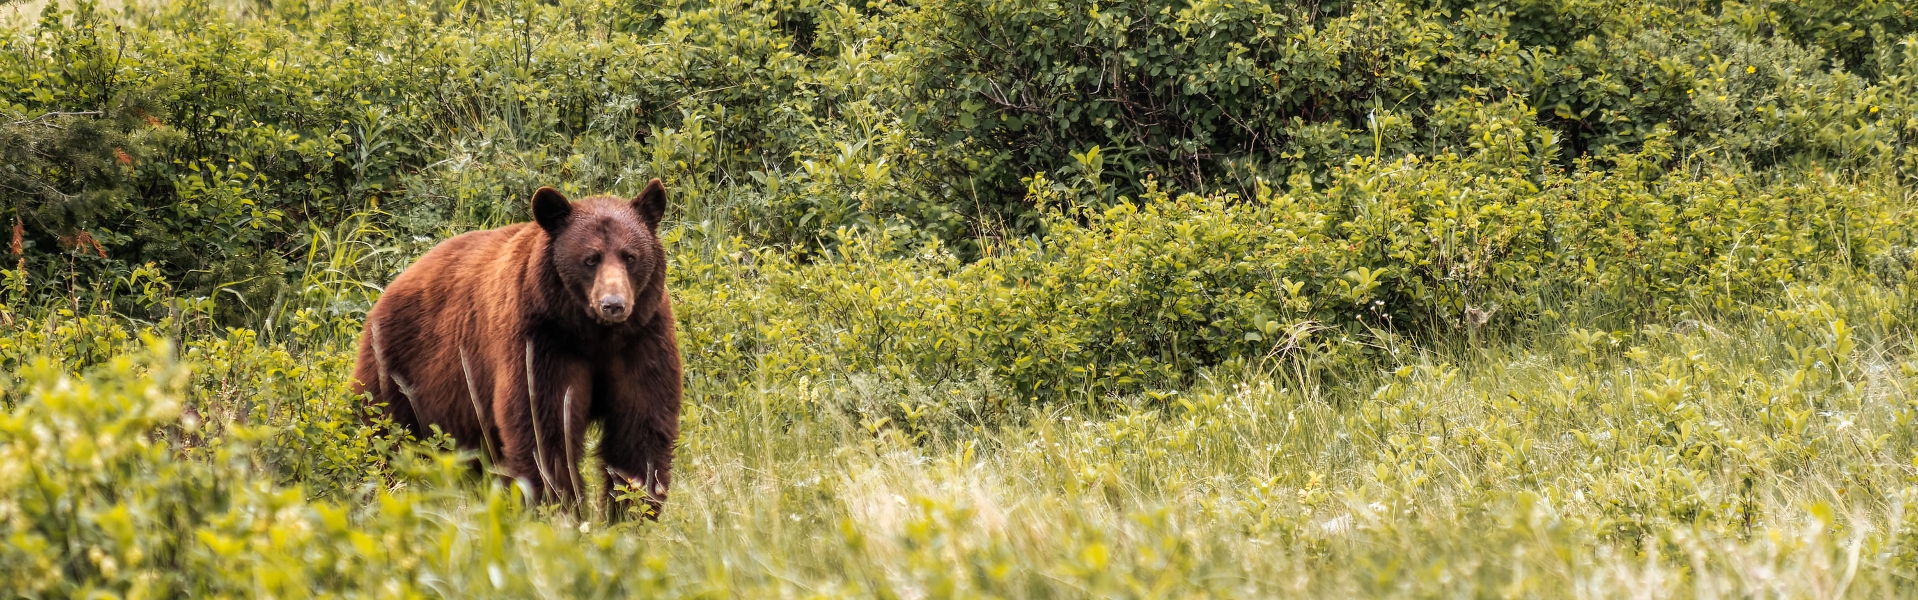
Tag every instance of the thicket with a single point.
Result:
(214, 139)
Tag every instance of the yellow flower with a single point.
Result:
(1874, 109)
(1751, 69)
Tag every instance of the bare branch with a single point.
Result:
(40, 120)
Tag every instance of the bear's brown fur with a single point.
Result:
(511, 340)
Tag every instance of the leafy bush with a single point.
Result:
(292, 408)
(1216, 95)
(1145, 294)
(211, 142)
(102, 500)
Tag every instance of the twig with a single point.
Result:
(1001, 100)
(37, 120)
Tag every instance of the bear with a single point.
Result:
(513, 340)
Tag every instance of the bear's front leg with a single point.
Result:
(638, 454)
(542, 416)
(637, 401)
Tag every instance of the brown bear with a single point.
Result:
(512, 340)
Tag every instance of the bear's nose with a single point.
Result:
(612, 305)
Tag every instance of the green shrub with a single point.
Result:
(1213, 95)
(1146, 294)
(212, 142)
(296, 412)
(103, 498)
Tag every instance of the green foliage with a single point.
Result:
(208, 522)
(210, 140)
(71, 136)
(992, 299)
(296, 414)
(1146, 294)
(1216, 95)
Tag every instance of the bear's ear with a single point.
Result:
(651, 204)
(550, 209)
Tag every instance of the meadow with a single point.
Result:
(981, 299)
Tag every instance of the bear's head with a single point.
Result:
(604, 249)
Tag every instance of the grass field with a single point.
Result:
(1617, 302)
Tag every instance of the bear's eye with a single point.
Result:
(626, 256)
(592, 261)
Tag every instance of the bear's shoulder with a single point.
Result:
(486, 239)
(477, 258)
